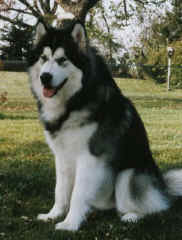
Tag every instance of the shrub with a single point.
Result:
(155, 65)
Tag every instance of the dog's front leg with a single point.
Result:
(63, 190)
(90, 175)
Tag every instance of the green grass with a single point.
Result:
(27, 174)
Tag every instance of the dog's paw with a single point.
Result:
(130, 217)
(66, 226)
(45, 217)
(54, 213)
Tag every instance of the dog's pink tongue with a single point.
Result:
(48, 92)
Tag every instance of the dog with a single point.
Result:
(102, 154)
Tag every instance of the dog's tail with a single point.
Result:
(173, 179)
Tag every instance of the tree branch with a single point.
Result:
(54, 9)
(19, 11)
(36, 6)
(79, 9)
(31, 8)
(4, 6)
(109, 32)
(42, 4)
(125, 10)
(12, 21)
(142, 2)
(86, 7)
(47, 6)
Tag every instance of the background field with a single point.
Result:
(27, 174)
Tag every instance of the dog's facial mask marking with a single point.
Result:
(55, 68)
(54, 72)
(46, 55)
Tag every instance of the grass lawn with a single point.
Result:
(27, 174)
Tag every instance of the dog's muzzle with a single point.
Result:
(48, 90)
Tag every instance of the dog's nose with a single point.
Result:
(46, 79)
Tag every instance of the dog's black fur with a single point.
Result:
(120, 129)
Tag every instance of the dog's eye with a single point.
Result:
(60, 60)
(44, 58)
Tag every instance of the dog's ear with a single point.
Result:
(40, 32)
(79, 36)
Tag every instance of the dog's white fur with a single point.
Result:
(133, 210)
(75, 167)
(53, 107)
(76, 188)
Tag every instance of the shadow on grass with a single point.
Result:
(36, 147)
(16, 117)
(2, 116)
(27, 188)
(157, 102)
(28, 169)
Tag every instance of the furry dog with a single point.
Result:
(102, 154)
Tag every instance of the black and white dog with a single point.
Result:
(102, 154)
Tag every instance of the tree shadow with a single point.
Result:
(16, 117)
(31, 173)
(158, 102)
(27, 187)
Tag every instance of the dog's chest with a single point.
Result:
(74, 135)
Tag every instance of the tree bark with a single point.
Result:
(79, 9)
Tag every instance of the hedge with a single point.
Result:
(13, 66)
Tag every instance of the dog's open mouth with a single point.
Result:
(49, 92)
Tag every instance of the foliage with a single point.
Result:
(152, 53)
(101, 33)
(110, 18)
(153, 64)
(104, 20)
(18, 42)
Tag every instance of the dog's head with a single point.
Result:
(57, 60)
